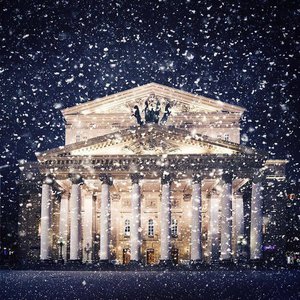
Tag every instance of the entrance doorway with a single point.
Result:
(150, 256)
(126, 256)
(174, 256)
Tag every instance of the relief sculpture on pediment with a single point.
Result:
(151, 144)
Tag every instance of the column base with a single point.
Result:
(214, 262)
(74, 262)
(61, 261)
(166, 263)
(105, 263)
(47, 261)
(256, 263)
(226, 262)
(88, 262)
(134, 263)
(196, 262)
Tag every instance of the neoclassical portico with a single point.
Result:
(167, 187)
(216, 190)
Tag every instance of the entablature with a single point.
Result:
(150, 166)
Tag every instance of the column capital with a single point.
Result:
(197, 178)
(48, 179)
(257, 177)
(135, 177)
(106, 179)
(166, 178)
(75, 178)
(227, 177)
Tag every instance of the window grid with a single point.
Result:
(174, 228)
(127, 228)
(150, 228)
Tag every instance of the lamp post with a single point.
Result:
(60, 244)
(88, 250)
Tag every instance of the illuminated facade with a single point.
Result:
(150, 175)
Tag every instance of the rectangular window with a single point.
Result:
(151, 228)
(127, 228)
(226, 137)
(174, 228)
(77, 138)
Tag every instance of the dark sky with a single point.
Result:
(55, 54)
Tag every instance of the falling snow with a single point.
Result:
(58, 54)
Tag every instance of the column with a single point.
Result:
(45, 219)
(105, 217)
(135, 238)
(196, 232)
(75, 218)
(63, 223)
(213, 228)
(165, 218)
(226, 217)
(256, 220)
(88, 226)
(238, 224)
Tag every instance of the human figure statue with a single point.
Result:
(137, 115)
(147, 112)
(166, 113)
(152, 111)
(156, 112)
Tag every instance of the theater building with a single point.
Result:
(152, 175)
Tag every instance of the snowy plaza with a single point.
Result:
(280, 284)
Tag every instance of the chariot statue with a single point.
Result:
(152, 110)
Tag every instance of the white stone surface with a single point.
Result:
(213, 230)
(63, 223)
(256, 222)
(165, 222)
(226, 221)
(196, 233)
(135, 239)
(75, 218)
(88, 227)
(238, 223)
(104, 222)
(45, 222)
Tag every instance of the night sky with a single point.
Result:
(55, 54)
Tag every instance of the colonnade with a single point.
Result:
(196, 255)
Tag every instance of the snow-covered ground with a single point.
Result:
(150, 285)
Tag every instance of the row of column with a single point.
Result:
(165, 220)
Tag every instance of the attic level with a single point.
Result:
(174, 107)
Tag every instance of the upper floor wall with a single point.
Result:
(195, 113)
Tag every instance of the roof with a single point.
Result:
(148, 140)
(159, 90)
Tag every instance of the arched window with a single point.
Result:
(174, 228)
(127, 228)
(150, 227)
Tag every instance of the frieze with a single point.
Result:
(151, 143)
(126, 202)
(115, 197)
(187, 197)
(151, 203)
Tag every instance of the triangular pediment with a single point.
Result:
(180, 101)
(147, 140)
